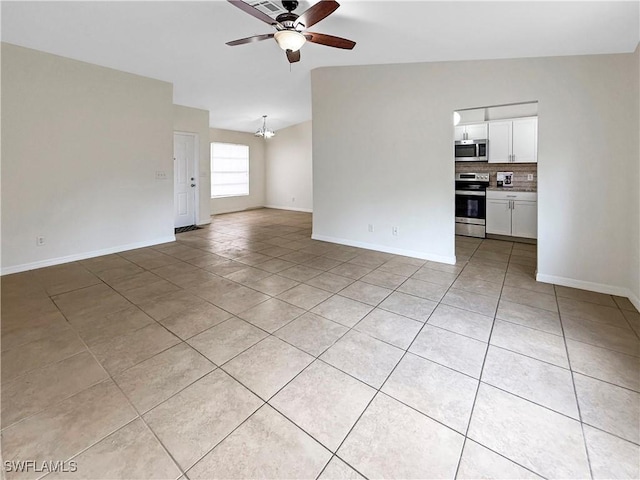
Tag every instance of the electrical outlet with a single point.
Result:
(394, 231)
(161, 175)
(530, 177)
(371, 228)
(39, 240)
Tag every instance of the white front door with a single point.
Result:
(184, 185)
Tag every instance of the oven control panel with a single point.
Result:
(472, 177)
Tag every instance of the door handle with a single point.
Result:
(193, 184)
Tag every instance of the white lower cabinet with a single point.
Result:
(512, 213)
(498, 216)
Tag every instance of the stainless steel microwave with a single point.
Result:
(471, 150)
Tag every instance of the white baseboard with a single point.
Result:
(591, 286)
(387, 249)
(235, 210)
(83, 256)
(276, 207)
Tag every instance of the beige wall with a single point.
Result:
(256, 195)
(195, 120)
(289, 169)
(81, 145)
(382, 155)
(634, 204)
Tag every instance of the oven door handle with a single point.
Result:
(471, 193)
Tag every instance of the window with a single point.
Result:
(229, 170)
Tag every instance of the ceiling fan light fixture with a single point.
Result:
(264, 132)
(290, 40)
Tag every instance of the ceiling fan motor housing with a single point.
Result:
(290, 5)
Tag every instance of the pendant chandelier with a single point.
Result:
(264, 131)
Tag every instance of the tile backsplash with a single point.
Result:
(520, 172)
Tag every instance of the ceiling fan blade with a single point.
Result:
(254, 12)
(319, 11)
(292, 56)
(329, 40)
(255, 38)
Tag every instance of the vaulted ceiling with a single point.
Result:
(183, 43)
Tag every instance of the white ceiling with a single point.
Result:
(184, 43)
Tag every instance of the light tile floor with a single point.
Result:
(247, 350)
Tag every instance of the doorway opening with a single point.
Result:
(496, 184)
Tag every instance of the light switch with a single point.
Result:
(161, 175)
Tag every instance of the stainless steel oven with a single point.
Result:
(471, 204)
(471, 150)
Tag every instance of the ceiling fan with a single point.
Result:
(291, 29)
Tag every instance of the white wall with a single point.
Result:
(634, 204)
(195, 120)
(382, 155)
(289, 169)
(256, 197)
(80, 148)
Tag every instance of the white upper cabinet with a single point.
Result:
(500, 138)
(476, 131)
(525, 140)
(513, 141)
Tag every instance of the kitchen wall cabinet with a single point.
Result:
(513, 141)
(512, 213)
(476, 131)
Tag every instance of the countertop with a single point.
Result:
(512, 189)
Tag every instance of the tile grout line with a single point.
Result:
(138, 415)
(575, 390)
(346, 332)
(317, 358)
(466, 437)
(110, 377)
(379, 390)
(135, 409)
(475, 397)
